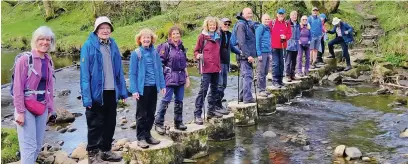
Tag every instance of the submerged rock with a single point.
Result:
(335, 77)
(269, 134)
(366, 159)
(353, 153)
(345, 90)
(64, 92)
(64, 116)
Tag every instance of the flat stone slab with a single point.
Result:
(266, 105)
(221, 129)
(165, 152)
(245, 114)
(290, 91)
(193, 142)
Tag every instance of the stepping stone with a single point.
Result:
(245, 114)
(193, 142)
(266, 105)
(306, 82)
(221, 129)
(165, 152)
(290, 91)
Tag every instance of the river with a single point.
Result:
(325, 117)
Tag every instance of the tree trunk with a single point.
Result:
(49, 10)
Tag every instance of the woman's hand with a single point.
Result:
(199, 56)
(20, 119)
(163, 91)
(136, 96)
(187, 82)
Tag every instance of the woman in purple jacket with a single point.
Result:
(173, 55)
(304, 43)
(33, 89)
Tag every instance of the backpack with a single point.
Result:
(165, 47)
(273, 24)
(233, 39)
(30, 68)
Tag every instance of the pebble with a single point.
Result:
(123, 121)
(306, 148)
(366, 159)
(60, 143)
(329, 148)
(63, 130)
(72, 130)
(324, 142)
(133, 125)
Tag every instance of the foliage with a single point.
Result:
(9, 145)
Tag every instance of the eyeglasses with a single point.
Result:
(227, 24)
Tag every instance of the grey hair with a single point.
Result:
(43, 31)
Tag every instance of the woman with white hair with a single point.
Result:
(33, 91)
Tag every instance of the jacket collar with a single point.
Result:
(217, 35)
(170, 41)
(95, 41)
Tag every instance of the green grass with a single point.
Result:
(9, 145)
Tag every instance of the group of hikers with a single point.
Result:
(278, 42)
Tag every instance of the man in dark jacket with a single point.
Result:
(102, 85)
(344, 36)
(225, 50)
(246, 43)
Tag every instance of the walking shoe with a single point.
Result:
(142, 144)
(223, 100)
(180, 126)
(94, 157)
(214, 115)
(152, 141)
(110, 156)
(331, 57)
(312, 66)
(293, 78)
(300, 75)
(288, 79)
(160, 129)
(221, 110)
(263, 94)
(347, 68)
(250, 101)
(198, 120)
(268, 93)
(320, 63)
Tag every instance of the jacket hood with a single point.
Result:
(207, 35)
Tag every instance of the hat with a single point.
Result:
(281, 11)
(336, 21)
(223, 20)
(101, 20)
(315, 8)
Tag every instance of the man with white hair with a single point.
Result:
(102, 85)
(344, 36)
(264, 52)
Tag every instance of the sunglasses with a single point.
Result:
(227, 24)
(304, 19)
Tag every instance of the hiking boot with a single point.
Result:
(347, 68)
(95, 158)
(320, 63)
(214, 115)
(152, 141)
(262, 94)
(110, 156)
(221, 110)
(142, 144)
(160, 129)
(293, 78)
(331, 57)
(198, 120)
(288, 79)
(250, 101)
(180, 126)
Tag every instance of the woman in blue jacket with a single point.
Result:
(146, 80)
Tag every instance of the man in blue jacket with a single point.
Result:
(102, 85)
(264, 53)
(246, 43)
(316, 31)
(344, 36)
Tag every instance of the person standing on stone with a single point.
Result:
(174, 59)
(320, 53)
(33, 86)
(292, 49)
(304, 42)
(344, 36)
(207, 51)
(225, 51)
(146, 80)
(316, 31)
(245, 34)
(102, 85)
(280, 33)
(264, 52)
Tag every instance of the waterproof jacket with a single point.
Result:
(305, 36)
(210, 51)
(246, 38)
(137, 69)
(92, 76)
(279, 28)
(22, 82)
(174, 60)
(263, 39)
(293, 42)
(344, 27)
(316, 26)
(227, 47)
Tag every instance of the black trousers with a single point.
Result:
(146, 107)
(290, 63)
(320, 54)
(101, 121)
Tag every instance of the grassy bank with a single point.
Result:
(9, 145)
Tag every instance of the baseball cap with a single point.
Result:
(223, 20)
(281, 11)
(315, 8)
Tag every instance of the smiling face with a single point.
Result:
(293, 16)
(104, 31)
(43, 44)
(212, 26)
(304, 20)
(175, 35)
(281, 17)
(315, 12)
(247, 14)
(226, 26)
(266, 19)
(146, 40)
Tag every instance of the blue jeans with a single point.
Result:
(222, 83)
(207, 80)
(277, 66)
(246, 81)
(178, 92)
(263, 67)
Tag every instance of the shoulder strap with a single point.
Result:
(30, 63)
(139, 55)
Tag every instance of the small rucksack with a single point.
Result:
(234, 40)
(30, 70)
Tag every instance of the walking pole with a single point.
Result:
(238, 78)
(283, 53)
(256, 96)
(202, 78)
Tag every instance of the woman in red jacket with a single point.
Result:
(207, 51)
